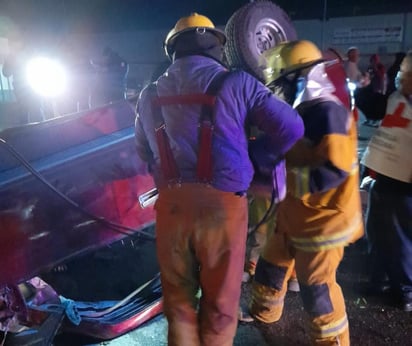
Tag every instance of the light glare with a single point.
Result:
(352, 86)
(46, 76)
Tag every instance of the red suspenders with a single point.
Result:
(204, 169)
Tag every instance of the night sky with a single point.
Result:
(93, 16)
(110, 15)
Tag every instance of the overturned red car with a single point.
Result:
(70, 186)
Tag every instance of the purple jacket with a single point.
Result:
(241, 100)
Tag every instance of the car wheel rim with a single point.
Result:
(268, 34)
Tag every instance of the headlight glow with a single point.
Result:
(46, 76)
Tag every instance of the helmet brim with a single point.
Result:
(294, 69)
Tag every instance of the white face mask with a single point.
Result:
(315, 85)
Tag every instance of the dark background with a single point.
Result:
(94, 16)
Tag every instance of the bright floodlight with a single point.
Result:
(47, 77)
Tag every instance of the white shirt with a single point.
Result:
(388, 151)
(352, 72)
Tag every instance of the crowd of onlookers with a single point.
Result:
(373, 84)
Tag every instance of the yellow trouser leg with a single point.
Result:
(322, 296)
(270, 283)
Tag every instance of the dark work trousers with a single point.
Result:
(389, 231)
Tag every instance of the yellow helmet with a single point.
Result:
(194, 21)
(288, 57)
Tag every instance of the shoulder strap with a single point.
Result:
(204, 167)
(168, 165)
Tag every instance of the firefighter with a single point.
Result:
(321, 212)
(190, 128)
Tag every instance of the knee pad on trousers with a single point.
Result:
(316, 299)
(269, 274)
(266, 304)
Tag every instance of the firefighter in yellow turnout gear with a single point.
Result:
(322, 211)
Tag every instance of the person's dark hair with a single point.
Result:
(286, 87)
(374, 58)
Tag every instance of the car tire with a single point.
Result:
(252, 29)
